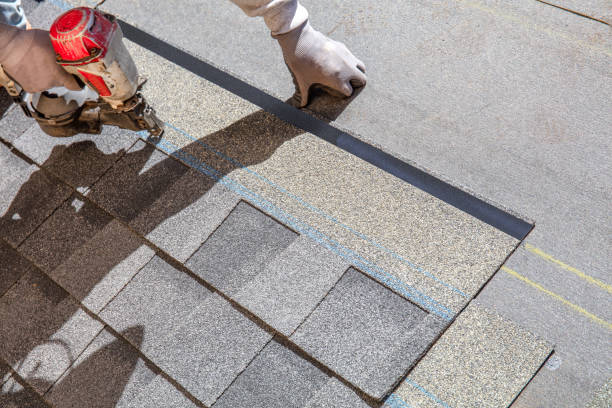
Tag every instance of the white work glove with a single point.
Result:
(315, 59)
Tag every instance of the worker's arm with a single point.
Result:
(29, 58)
(12, 14)
(311, 57)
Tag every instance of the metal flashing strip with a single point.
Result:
(474, 206)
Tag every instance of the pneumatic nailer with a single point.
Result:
(89, 45)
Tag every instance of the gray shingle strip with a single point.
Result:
(240, 249)
(335, 395)
(43, 330)
(159, 393)
(367, 334)
(103, 265)
(193, 335)
(158, 299)
(79, 160)
(75, 223)
(482, 360)
(211, 347)
(292, 284)
(27, 197)
(13, 267)
(14, 124)
(110, 373)
(14, 395)
(135, 182)
(5, 373)
(278, 377)
(184, 216)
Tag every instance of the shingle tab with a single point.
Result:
(158, 299)
(73, 224)
(14, 124)
(279, 378)
(4, 373)
(27, 197)
(42, 329)
(211, 348)
(367, 334)
(186, 214)
(135, 182)
(110, 373)
(14, 395)
(13, 267)
(79, 160)
(240, 249)
(107, 372)
(292, 284)
(102, 266)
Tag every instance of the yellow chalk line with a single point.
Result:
(577, 272)
(531, 25)
(558, 297)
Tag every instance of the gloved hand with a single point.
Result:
(314, 58)
(29, 58)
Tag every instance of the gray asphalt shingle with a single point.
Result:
(158, 393)
(367, 334)
(4, 373)
(102, 266)
(13, 267)
(79, 160)
(240, 249)
(27, 197)
(136, 181)
(42, 329)
(14, 395)
(184, 216)
(14, 124)
(158, 299)
(280, 378)
(109, 373)
(292, 284)
(75, 223)
(195, 336)
(211, 348)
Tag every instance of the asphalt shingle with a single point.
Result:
(240, 249)
(4, 373)
(159, 393)
(109, 373)
(280, 378)
(482, 360)
(14, 124)
(79, 160)
(14, 395)
(75, 223)
(211, 348)
(27, 197)
(292, 284)
(102, 266)
(367, 334)
(13, 267)
(42, 329)
(136, 181)
(336, 395)
(158, 299)
(186, 214)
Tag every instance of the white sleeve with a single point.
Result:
(11, 13)
(280, 16)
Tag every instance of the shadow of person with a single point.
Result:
(91, 240)
(98, 379)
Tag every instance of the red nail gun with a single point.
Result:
(89, 46)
